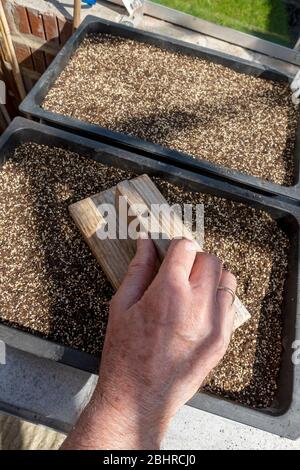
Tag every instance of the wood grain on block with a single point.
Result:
(241, 314)
(152, 196)
(143, 198)
(114, 255)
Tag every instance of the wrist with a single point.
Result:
(104, 426)
(124, 428)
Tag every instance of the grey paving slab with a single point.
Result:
(51, 394)
(43, 391)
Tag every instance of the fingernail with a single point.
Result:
(143, 235)
(192, 246)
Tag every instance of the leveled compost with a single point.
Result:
(51, 285)
(181, 102)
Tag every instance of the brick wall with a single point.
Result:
(37, 38)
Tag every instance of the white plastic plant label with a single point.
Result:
(295, 87)
(133, 6)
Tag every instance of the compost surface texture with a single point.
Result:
(51, 285)
(181, 102)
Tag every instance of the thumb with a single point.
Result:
(141, 273)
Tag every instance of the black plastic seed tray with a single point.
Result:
(283, 417)
(32, 106)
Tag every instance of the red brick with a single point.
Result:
(51, 30)
(36, 23)
(22, 24)
(9, 10)
(21, 19)
(49, 59)
(65, 30)
(23, 54)
(39, 61)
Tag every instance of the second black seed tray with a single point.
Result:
(32, 105)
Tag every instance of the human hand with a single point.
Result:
(166, 332)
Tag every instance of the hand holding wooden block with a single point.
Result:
(142, 200)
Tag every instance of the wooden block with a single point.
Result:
(115, 255)
(142, 198)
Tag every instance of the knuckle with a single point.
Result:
(152, 304)
(175, 242)
(175, 269)
(175, 286)
(211, 264)
(135, 264)
(139, 265)
(212, 259)
(150, 301)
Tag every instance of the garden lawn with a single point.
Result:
(264, 18)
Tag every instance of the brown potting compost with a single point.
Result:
(51, 285)
(182, 102)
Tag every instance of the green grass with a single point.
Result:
(263, 18)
